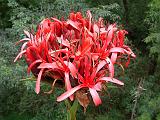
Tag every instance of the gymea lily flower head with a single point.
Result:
(81, 53)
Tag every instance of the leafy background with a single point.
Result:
(139, 99)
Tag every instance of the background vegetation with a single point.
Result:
(139, 99)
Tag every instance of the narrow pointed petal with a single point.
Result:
(38, 81)
(110, 34)
(63, 42)
(19, 55)
(73, 24)
(89, 33)
(133, 55)
(68, 84)
(90, 19)
(68, 93)
(113, 80)
(95, 56)
(22, 40)
(96, 99)
(55, 19)
(28, 34)
(32, 64)
(48, 65)
(86, 49)
(110, 67)
(129, 51)
(109, 37)
(113, 57)
(101, 65)
(98, 86)
(117, 49)
(72, 68)
(22, 48)
(67, 81)
(121, 35)
(96, 29)
(59, 51)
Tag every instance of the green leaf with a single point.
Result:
(71, 115)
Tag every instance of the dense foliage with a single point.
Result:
(138, 99)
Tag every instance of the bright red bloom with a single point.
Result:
(79, 52)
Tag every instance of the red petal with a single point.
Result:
(55, 19)
(68, 93)
(96, 29)
(101, 65)
(73, 24)
(98, 86)
(24, 39)
(89, 33)
(22, 48)
(109, 37)
(121, 35)
(86, 49)
(68, 84)
(28, 34)
(110, 67)
(96, 99)
(48, 65)
(63, 42)
(19, 55)
(117, 49)
(127, 63)
(113, 80)
(90, 18)
(113, 57)
(129, 51)
(72, 68)
(58, 51)
(32, 64)
(38, 81)
(80, 78)
(95, 56)
(110, 33)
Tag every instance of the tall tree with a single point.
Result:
(153, 38)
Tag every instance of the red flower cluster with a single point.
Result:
(79, 52)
